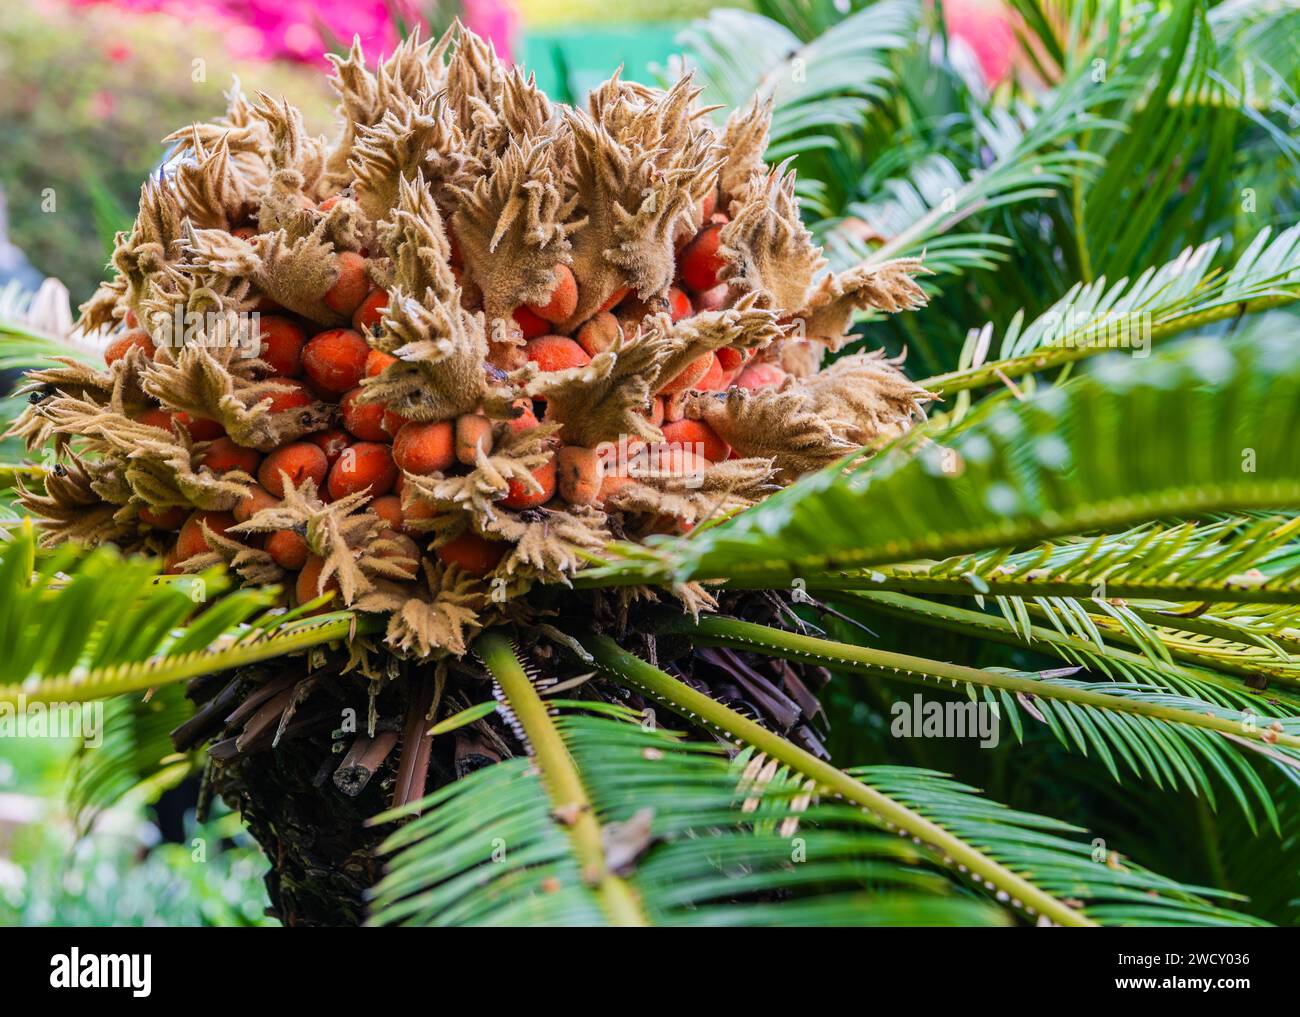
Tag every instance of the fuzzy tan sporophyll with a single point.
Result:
(416, 337)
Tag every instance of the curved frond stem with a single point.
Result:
(259, 644)
(1001, 630)
(1207, 657)
(1057, 465)
(561, 778)
(628, 669)
(1089, 345)
(812, 570)
(845, 657)
(903, 580)
(920, 581)
(1182, 295)
(1235, 559)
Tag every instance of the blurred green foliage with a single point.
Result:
(572, 60)
(35, 766)
(87, 97)
(114, 878)
(118, 874)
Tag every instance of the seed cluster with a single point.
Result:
(423, 349)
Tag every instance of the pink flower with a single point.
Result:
(496, 20)
(302, 40)
(987, 28)
(303, 30)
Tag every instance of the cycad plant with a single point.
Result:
(534, 685)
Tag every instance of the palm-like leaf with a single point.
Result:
(1030, 156)
(1121, 226)
(1025, 624)
(1177, 297)
(1062, 463)
(816, 87)
(80, 626)
(132, 755)
(1255, 555)
(37, 326)
(453, 866)
(1200, 736)
(712, 837)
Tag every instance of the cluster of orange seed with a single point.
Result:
(438, 326)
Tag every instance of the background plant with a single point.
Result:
(92, 137)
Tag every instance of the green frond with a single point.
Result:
(1224, 624)
(1189, 114)
(1116, 891)
(1144, 588)
(34, 327)
(1211, 676)
(1171, 51)
(560, 777)
(809, 18)
(1064, 462)
(1180, 296)
(442, 871)
(709, 840)
(1264, 868)
(1159, 735)
(700, 839)
(236, 646)
(1168, 638)
(1257, 555)
(1261, 34)
(1239, 720)
(131, 755)
(80, 625)
(1031, 157)
(1272, 624)
(818, 87)
(701, 709)
(904, 204)
(1003, 861)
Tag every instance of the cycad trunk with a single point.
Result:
(322, 855)
(307, 796)
(308, 757)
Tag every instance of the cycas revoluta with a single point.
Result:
(476, 304)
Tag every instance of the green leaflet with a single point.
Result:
(488, 849)
(81, 625)
(1215, 422)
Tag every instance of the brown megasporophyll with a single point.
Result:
(437, 261)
